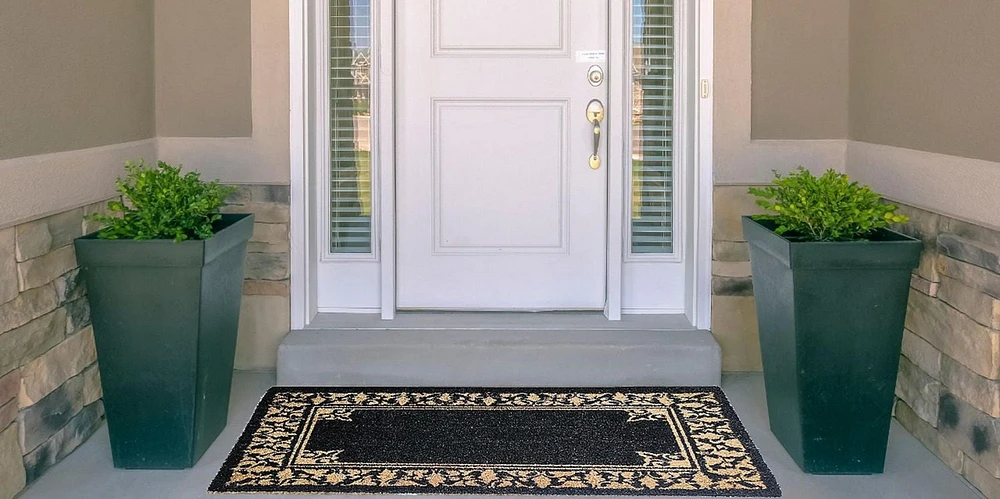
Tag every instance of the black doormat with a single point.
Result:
(622, 441)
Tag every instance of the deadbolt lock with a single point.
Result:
(595, 75)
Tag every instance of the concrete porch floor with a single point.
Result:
(912, 472)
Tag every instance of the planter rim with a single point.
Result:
(236, 228)
(899, 237)
(231, 219)
(900, 251)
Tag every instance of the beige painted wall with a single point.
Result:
(800, 69)
(924, 75)
(263, 157)
(924, 111)
(738, 157)
(202, 68)
(74, 75)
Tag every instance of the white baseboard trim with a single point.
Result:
(42, 185)
(963, 188)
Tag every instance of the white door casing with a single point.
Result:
(497, 206)
(370, 283)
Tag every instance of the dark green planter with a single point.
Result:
(165, 316)
(831, 324)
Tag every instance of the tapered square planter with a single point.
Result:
(165, 316)
(831, 324)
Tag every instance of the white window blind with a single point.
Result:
(350, 127)
(652, 126)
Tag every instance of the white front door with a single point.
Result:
(498, 207)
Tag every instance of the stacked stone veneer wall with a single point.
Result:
(948, 389)
(50, 393)
(734, 316)
(265, 317)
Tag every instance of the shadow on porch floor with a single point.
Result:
(912, 472)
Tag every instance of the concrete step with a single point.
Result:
(471, 350)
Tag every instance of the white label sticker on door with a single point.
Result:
(591, 56)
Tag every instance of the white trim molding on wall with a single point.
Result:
(42, 185)
(962, 188)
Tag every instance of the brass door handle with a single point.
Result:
(595, 114)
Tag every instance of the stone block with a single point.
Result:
(67, 439)
(51, 413)
(731, 269)
(730, 251)
(984, 235)
(92, 226)
(26, 307)
(929, 436)
(41, 236)
(46, 268)
(273, 193)
(927, 267)
(77, 315)
(43, 375)
(265, 288)
(91, 385)
(734, 326)
(920, 391)
(922, 354)
(31, 340)
(282, 247)
(923, 285)
(33, 240)
(70, 286)
(975, 277)
(981, 393)
(264, 322)
(923, 224)
(976, 304)
(977, 434)
(8, 266)
(969, 251)
(732, 286)
(10, 383)
(731, 203)
(269, 233)
(8, 413)
(955, 334)
(272, 213)
(241, 195)
(267, 266)
(12, 476)
(981, 479)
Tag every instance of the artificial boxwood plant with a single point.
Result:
(825, 208)
(162, 203)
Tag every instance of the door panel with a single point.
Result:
(497, 205)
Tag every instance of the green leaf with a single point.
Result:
(826, 208)
(161, 203)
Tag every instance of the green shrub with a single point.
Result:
(825, 208)
(161, 203)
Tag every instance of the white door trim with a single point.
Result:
(302, 153)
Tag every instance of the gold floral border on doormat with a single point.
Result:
(716, 456)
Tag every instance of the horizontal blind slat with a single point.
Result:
(350, 127)
(652, 127)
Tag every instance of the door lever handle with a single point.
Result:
(595, 114)
(595, 159)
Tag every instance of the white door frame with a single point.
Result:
(305, 150)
